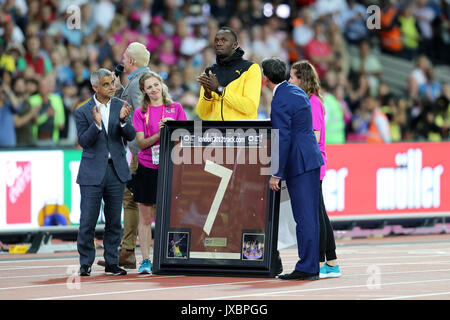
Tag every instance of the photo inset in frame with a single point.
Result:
(177, 245)
(253, 246)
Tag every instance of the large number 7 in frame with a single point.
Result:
(225, 174)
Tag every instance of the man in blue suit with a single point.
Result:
(102, 124)
(298, 163)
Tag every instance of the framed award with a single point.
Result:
(215, 213)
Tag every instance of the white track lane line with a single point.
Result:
(346, 275)
(87, 282)
(284, 260)
(416, 296)
(238, 283)
(268, 294)
(153, 289)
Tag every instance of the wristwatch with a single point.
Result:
(219, 90)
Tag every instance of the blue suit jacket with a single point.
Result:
(298, 148)
(97, 143)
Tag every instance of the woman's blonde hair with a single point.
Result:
(309, 80)
(166, 97)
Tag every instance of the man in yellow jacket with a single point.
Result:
(230, 88)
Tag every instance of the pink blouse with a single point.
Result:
(150, 127)
(318, 119)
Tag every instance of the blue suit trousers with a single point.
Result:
(304, 193)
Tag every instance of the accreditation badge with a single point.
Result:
(155, 155)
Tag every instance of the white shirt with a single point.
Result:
(104, 110)
(275, 89)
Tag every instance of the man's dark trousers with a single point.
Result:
(111, 191)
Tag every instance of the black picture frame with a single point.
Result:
(208, 254)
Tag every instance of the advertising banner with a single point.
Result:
(387, 180)
(363, 181)
(29, 180)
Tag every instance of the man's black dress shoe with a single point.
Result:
(298, 275)
(278, 264)
(85, 270)
(114, 270)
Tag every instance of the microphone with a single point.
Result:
(118, 70)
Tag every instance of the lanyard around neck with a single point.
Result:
(147, 115)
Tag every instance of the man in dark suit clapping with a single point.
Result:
(299, 164)
(102, 124)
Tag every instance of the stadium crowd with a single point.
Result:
(49, 48)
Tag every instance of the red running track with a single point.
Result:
(390, 268)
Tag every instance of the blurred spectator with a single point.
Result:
(257, 13)
(379, 130)
(367, 64)
(359, 126)
(410, 32)
(265, 103)
(167, 54)
(303, 31)
(81, 72)
(341, 56)
(40, 38)
(443, 110)
(12, 59)
(353, 22)
(179, 35)
(318, 51)
(177, 86)
(329, 9)
(156, 36)
(213, 28)
(424, 15)
(425, 127)
(189, 101)
(107, 9)
(390, 33)
(243, 12)
(17, 10)
(8, 107)
(441, 34)
(51, 117)
(264, 43)
(431, 89)
(69, 97)
(61, 67)
(10, 32)
(398, 120)
(26, 116)
(194, 42)
(32, 56)
(340, 97)
(357, 91)
(418, 77)
(334, 116)
(222, 11)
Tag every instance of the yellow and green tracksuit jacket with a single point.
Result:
(241, 80)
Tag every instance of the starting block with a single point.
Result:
(41, 243)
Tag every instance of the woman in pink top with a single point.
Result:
(157, 108)
(304, 75)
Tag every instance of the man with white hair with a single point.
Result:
(135, 60)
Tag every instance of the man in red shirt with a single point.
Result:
(318, 51)
(32, 56)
